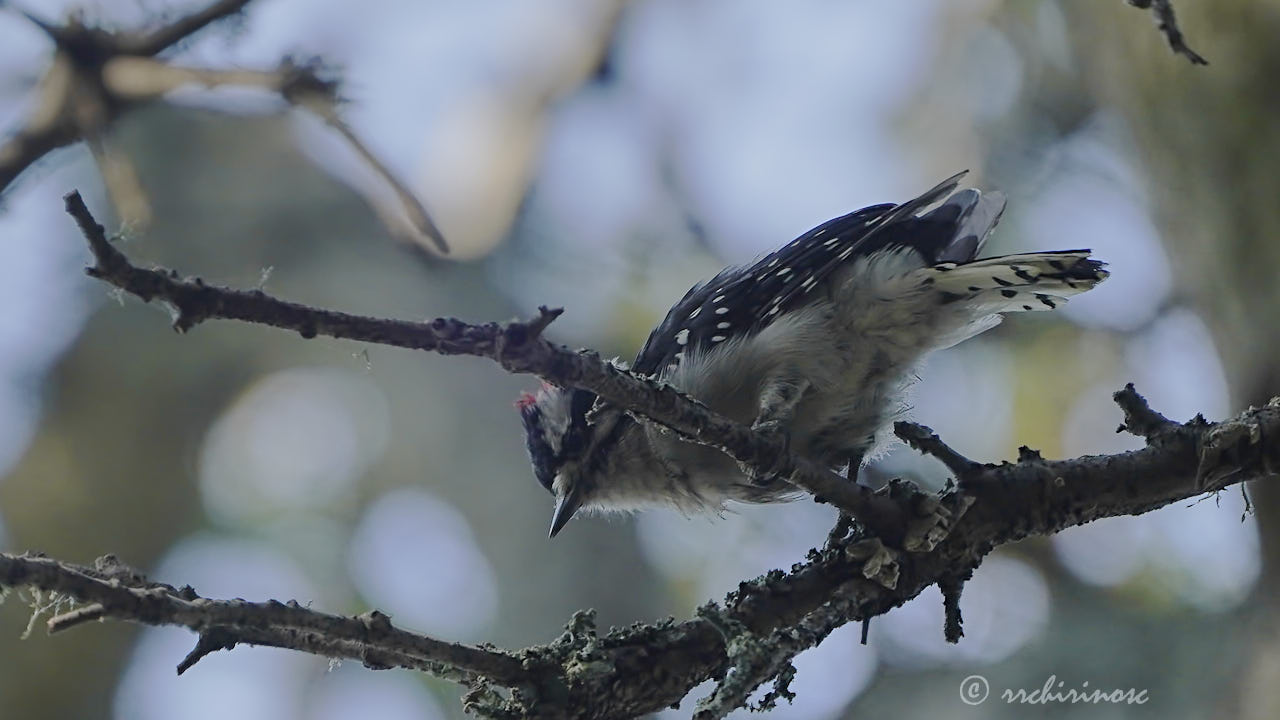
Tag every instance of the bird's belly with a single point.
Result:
(835, 429)
(850, 415)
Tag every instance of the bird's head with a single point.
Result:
(561, 446)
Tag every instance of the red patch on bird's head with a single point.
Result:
(527, 400)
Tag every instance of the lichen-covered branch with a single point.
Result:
(126, 595)
(906, 541)
(745, 641)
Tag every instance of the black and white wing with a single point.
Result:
(742, 301)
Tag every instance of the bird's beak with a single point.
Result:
(566, 506)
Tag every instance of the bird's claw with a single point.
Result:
(776, 432)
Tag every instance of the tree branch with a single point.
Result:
(163, 38)
(925, 441)
(1167, 23)
(519, 348)
(1139, 418)
(369, 638)
(751, 637)
(74, 77)
(756, 630)
(98, 75)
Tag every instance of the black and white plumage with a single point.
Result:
(816, 340)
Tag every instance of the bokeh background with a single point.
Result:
(604, 156)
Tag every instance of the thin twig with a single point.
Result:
(1139, 418)
(924, 440)
(417, 212)
(163, 38)
(272, 623)
(79, 616)
(953, 623)
(303, 86)
(1167, 23)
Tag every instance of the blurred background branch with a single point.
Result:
(1167, 23)
(75, 102)
(156, 41)
(97, 75)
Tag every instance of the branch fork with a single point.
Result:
(747, 641)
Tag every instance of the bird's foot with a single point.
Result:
(779, 438)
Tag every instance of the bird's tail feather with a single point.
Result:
(1016, 283)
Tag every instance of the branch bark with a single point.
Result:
(369, 638)
(744, 641)
(755, 631)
